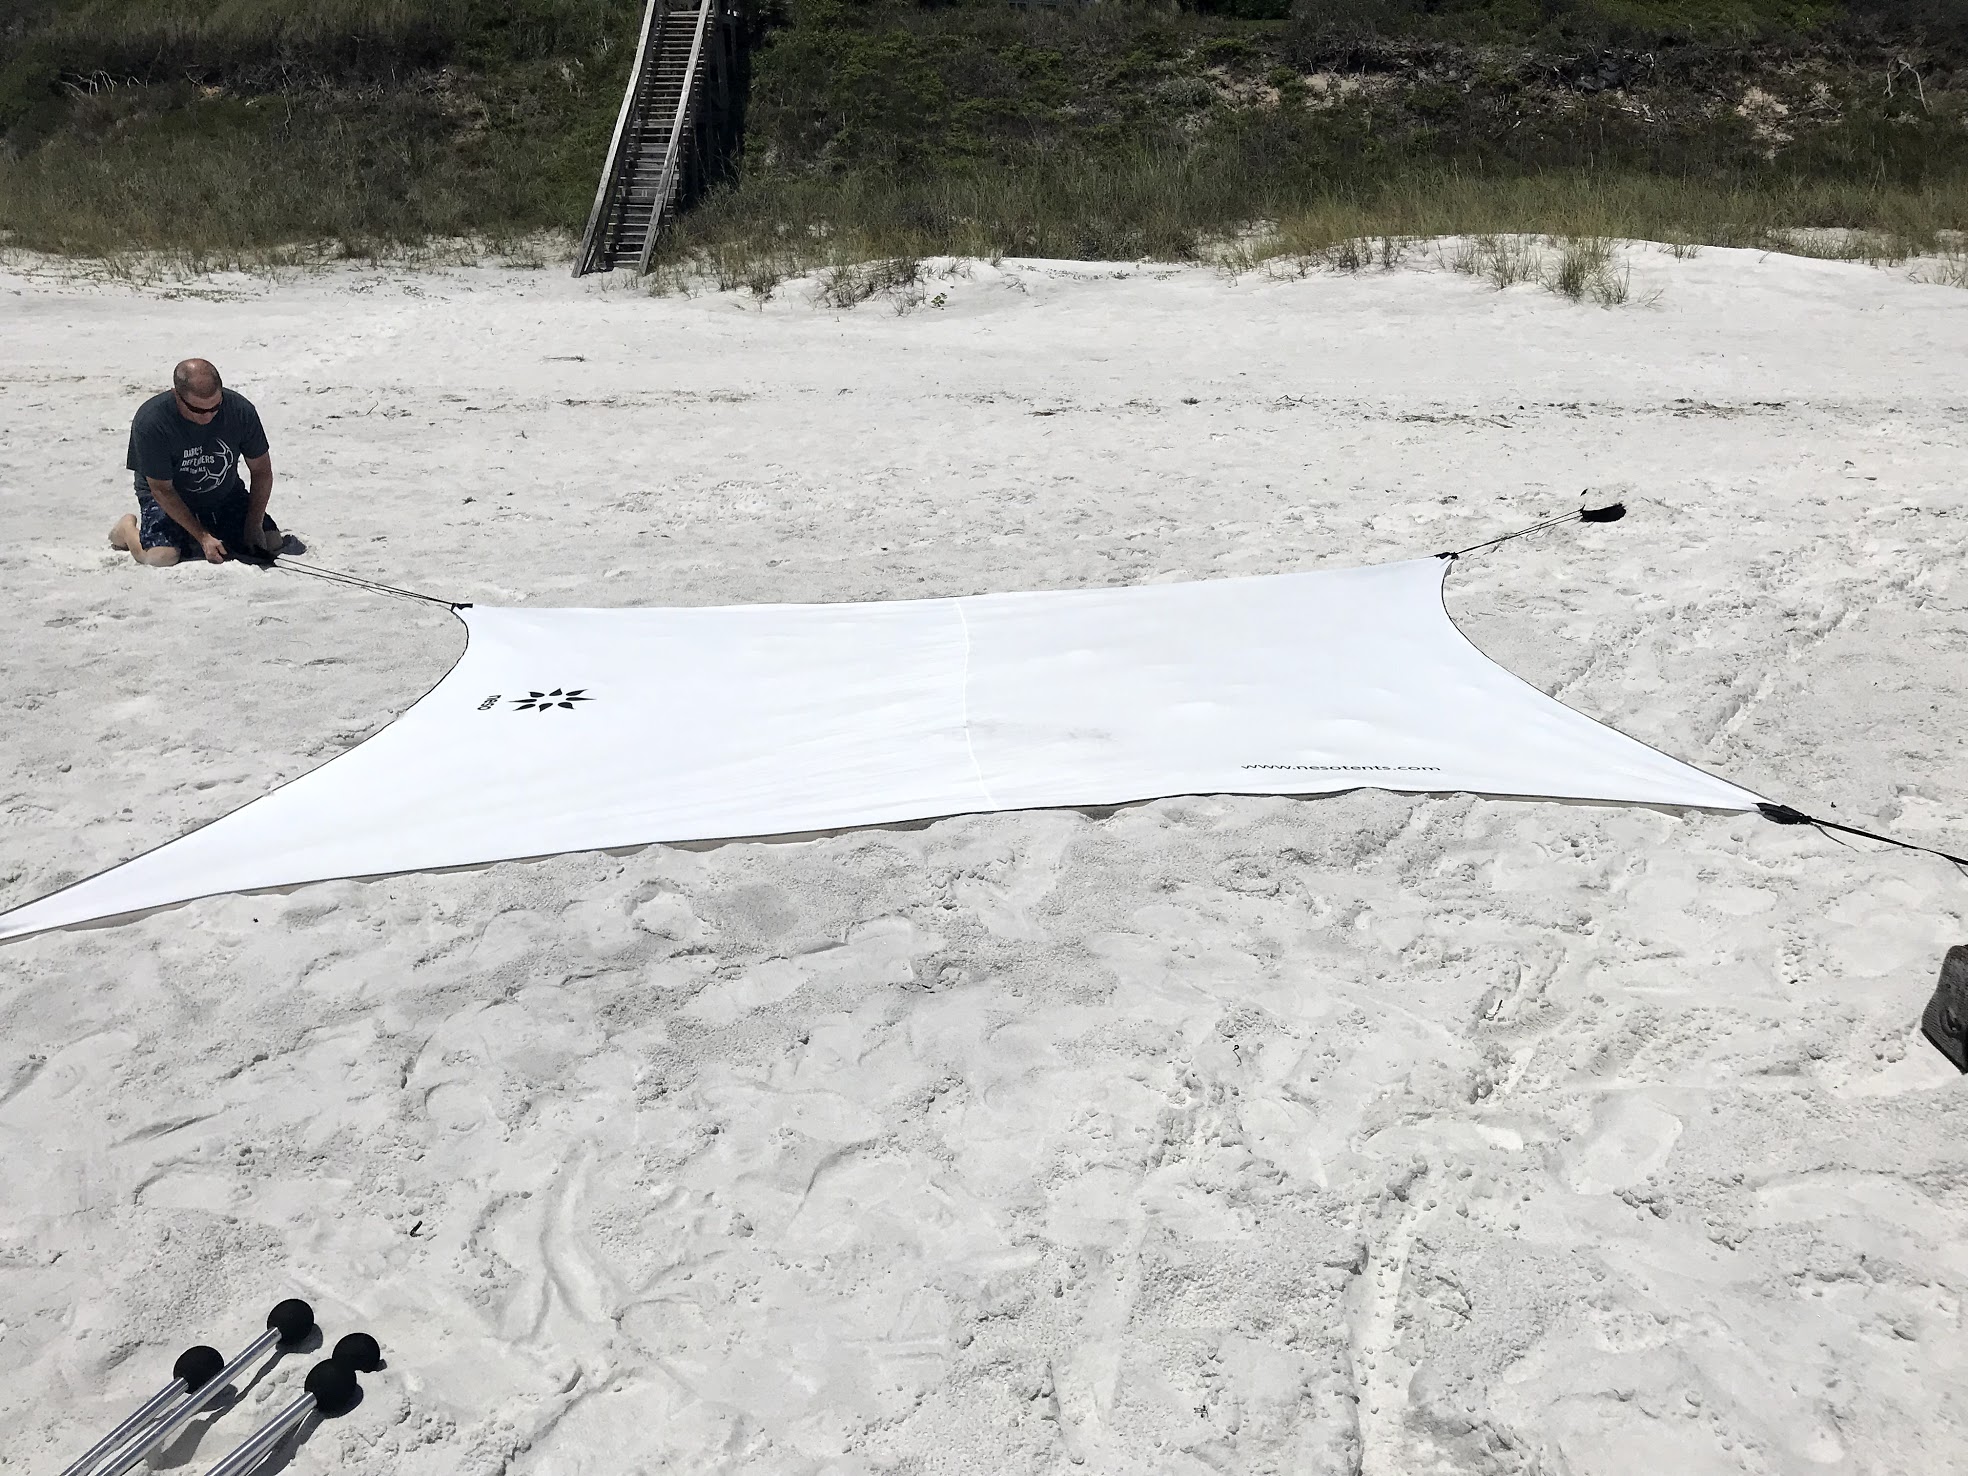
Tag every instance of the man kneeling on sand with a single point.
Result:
(185, 448)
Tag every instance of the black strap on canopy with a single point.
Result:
(1611, 513)
(1785, 815)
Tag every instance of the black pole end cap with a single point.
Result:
(1611, 513)
(198, 1367)
(358, 1352)
(293, 1319)
(1782, 814)
(334, 1388)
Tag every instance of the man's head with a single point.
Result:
(200, 393)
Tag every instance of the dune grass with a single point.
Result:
(239, 182)
(892, 132)
(220, 132)
(241, 132)
(1175, 207)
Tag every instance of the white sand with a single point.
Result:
(1232, 1135)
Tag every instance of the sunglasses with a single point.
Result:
(216, 405)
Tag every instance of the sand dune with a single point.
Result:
(1358, 1134)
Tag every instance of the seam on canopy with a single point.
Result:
(976, 769)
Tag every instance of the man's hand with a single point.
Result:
(168, 499)
(256, 544)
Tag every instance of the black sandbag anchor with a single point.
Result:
(252, 553)
(1945, 1023)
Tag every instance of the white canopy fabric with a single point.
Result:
(568, 730)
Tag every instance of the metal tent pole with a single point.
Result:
(195, 1368)
(287, 1324)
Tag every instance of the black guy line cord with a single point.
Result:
(1780, 814)
(1611, 513)
(1785, 815)
(353, 581)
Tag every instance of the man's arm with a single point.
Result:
(258, 494)
(168, 499)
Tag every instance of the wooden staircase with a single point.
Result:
(658, 143)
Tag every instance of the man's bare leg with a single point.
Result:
(125, 535)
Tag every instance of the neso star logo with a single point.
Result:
(547, 701)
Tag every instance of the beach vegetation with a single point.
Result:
(239, 131)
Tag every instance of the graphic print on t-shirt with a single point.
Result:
(205, 468)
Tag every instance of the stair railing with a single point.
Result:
(594, 240)
(672, 156)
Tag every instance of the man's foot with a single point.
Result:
(128, 537)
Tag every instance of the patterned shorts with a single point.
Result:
(226, 517)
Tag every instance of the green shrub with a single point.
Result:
(896, 129)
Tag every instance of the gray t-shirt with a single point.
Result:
(200, 461)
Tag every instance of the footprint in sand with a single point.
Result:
(458, 1105)
(1629, 1139)
(1014, 872)
(189, 1189)
(671, 919)
(875, 953)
